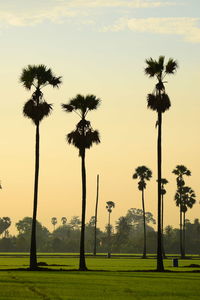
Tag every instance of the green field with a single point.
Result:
(127, 277)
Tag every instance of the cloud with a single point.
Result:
(189, 28)
(62, 10)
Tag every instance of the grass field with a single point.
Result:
(116, 278)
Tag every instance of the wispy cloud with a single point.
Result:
(61, 10)
(189, 28)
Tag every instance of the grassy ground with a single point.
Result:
(115, 278)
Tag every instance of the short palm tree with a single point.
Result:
(143, 173)
(159, 101)
(188, 200)
(54, 221)
(36, 108)
(83, 137)
(109, 206)
(64, 220)
(180, 171)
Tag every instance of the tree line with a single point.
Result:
(125, 237)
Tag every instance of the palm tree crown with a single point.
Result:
(84, 136)
(159, 100)
(110, 205)
(143, 173)
(37, 77)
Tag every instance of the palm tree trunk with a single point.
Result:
(162, 208)
(82, 263)
(33, 255)
(109, 236)
(160, 266)
(144, 224)
(183, 234)
(95, 224)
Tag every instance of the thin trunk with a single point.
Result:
(95, 224)
(33, 254)
(162, 208)
(82, 263)
(183, 234)
(144, 224)
(109, 236)
(160, 266)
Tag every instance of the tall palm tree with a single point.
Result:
(163, 192)
(36, 108)
(110, 205)
(159, 101)
(95, 220)
(180, 171)
(188, 200)
(83, 137)
(143, 173)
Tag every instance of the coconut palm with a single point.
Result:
(163, 192)
(180, 171)
(83, 137)
(143, 173)
(159, 101)
(54, 221)
(36, 108)
(109, 206)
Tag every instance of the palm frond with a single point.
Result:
(36, 112)
(171, 66)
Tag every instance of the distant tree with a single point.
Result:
(83, 137)
(75, 222)
(110, 205)
(36, 108)
(5, 223)
(159, 101)
(143, 173)
(64, 220)
(123, 228)
(180, 171)
(54, 221)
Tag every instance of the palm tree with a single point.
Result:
(159, 101)
(83, 137)
(64, 220)
(163, 192)
(180, 171)
(36, 108)
(54, 221)
(143, 173)
(110, 205)
(188, 200)
(95, 220)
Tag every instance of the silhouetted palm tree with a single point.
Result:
(95, 217)
(64, 220)
(188, 200)
(159, 101)
(143, 173)
(163, 192)
(110, 205)
(54, 221)
(36, 108)
(180, 171)
(83, 137)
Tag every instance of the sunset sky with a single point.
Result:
(98, 47)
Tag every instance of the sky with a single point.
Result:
(98, 47)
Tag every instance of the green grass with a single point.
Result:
(110, 279)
